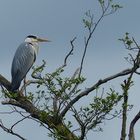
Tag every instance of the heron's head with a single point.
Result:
(35, 39)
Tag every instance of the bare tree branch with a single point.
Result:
(92, 30)
(131, 128)
(95, 86)
(10, 131)
(70, 52)
(25, 104)
(10, 112)
(19, 121)
(67, 56)
(4, 82)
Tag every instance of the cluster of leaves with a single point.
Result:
(99, 110)
(61, 86)
(127, 85)
(55, 92)
(134, 49)
(128, 42)
(88, 20)
(54, 87)
(107, 8)
(105, 3)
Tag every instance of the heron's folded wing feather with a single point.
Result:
(23, 60)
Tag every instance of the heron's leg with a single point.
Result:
(24, 85)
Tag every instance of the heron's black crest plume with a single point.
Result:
(31, 36)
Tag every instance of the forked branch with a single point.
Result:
(9, 130)
(95, 86)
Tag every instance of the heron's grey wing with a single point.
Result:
(22, 62)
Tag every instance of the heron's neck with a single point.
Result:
(34, 44)
(36, 48)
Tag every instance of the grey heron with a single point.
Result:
(24, 58)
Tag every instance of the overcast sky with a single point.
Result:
(60, 21)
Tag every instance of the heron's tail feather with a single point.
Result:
(15, 86)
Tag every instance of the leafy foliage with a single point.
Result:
(56, 94)
(98, 111)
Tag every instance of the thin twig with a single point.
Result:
(76, 85)
(10, 131)
(70, 52)
(95, 86)
(68, 55)
(19, 121)
(29, 82)
(88, 40)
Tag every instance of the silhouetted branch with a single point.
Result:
(44, 117)
(95, 86)
(19, 121)
(67, 56)
(91, 28)
(70, 52)
(4, 82)
(10, 112)
(25, 104)
(9, 130)
(132, 124)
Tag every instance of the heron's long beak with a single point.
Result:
(43, 40)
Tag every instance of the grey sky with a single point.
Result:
(60, 21)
